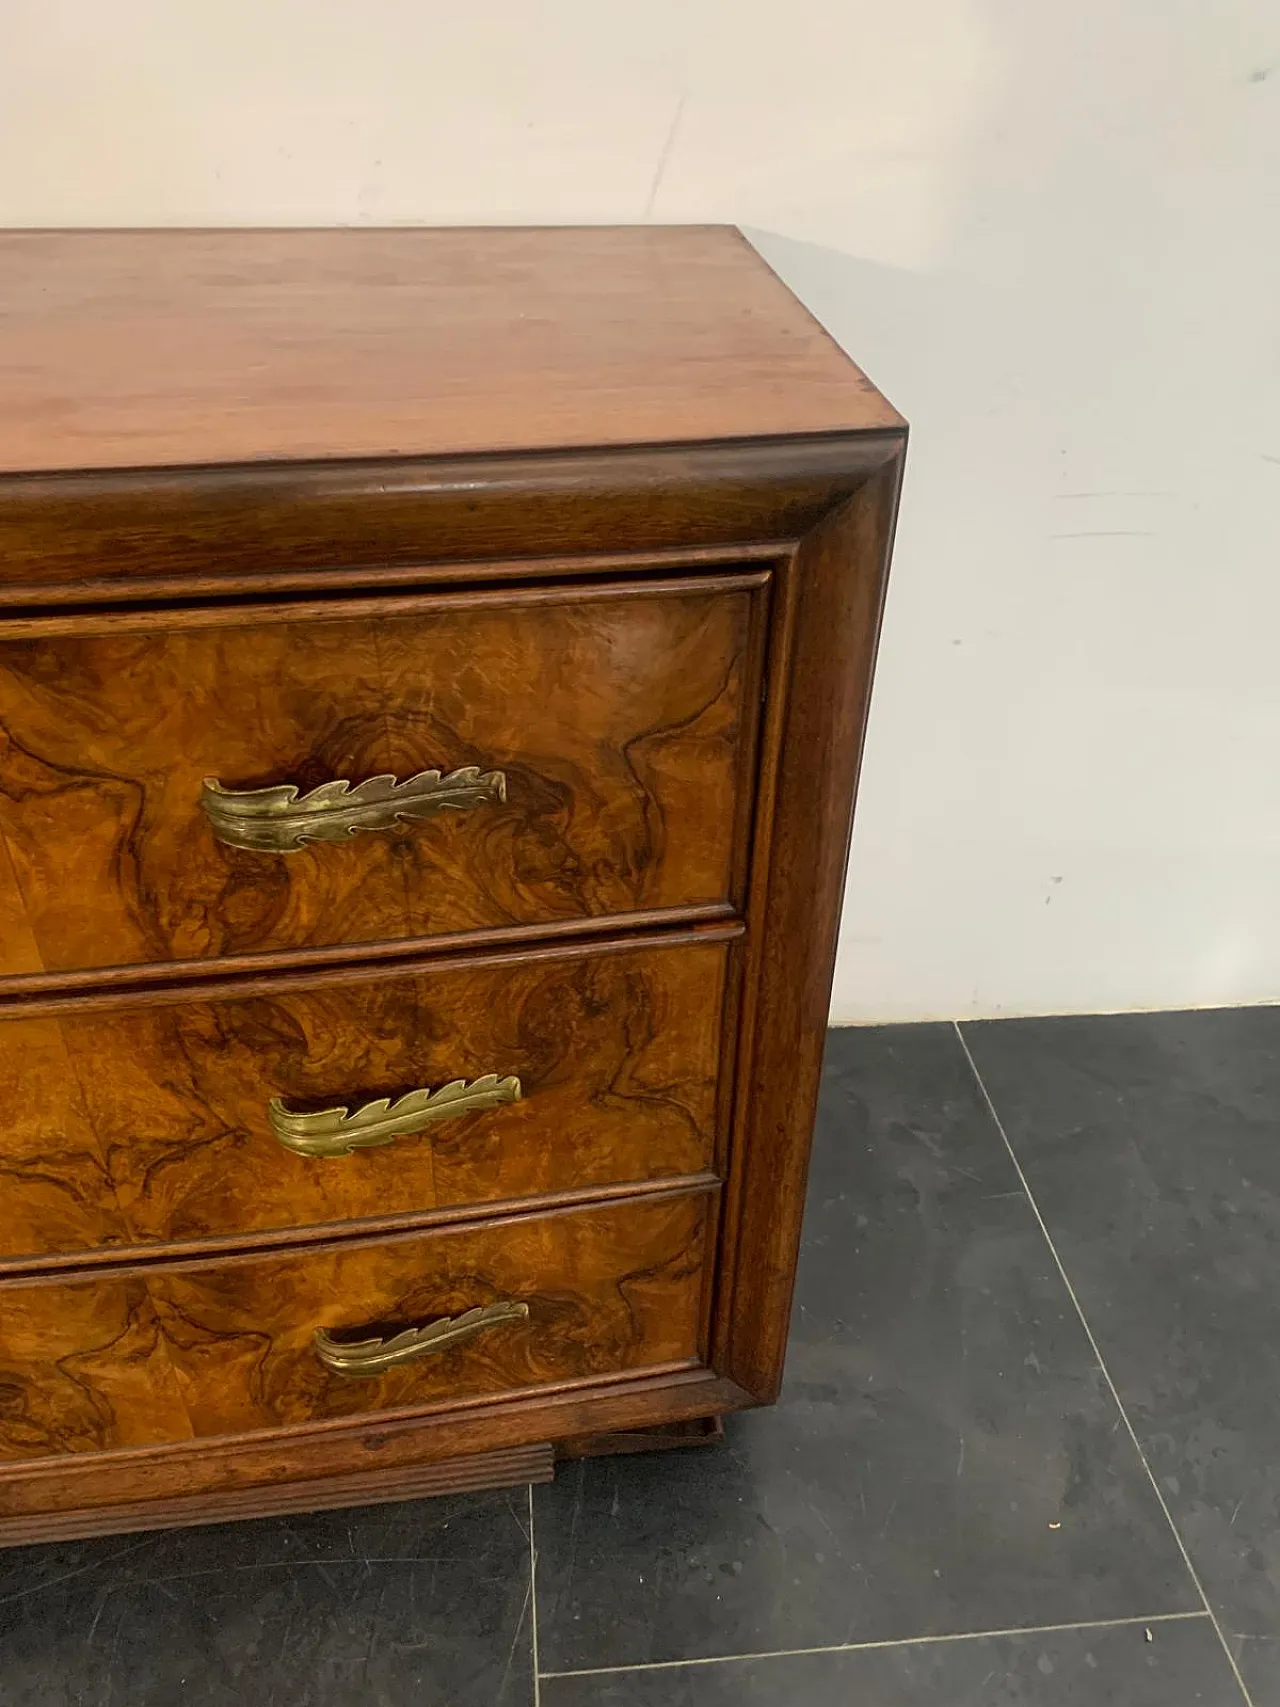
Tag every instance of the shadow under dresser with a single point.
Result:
(433, 670)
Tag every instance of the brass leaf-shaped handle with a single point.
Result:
(361, 1359)
(339, 1131)
(279, 820)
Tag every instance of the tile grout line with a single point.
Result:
(1106, 1373)
(533, 1605)
(891, 1642)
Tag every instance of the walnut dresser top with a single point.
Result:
(121, 349)
(433, 672)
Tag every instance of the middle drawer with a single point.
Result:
(175, 1120)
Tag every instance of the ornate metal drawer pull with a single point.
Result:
(338, 1131)
(278, 820)
(361, 1359)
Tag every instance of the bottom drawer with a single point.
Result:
(230, 1345)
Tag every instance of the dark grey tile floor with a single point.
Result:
(1028, 1452)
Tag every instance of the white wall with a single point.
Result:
(1050, 231)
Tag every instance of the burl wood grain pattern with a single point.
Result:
(619, 721)
(606, 511)
(101, 1363)
(148, 1122)
(609, 1289)
(56, 1192)
(83, 1369)
(125, 349)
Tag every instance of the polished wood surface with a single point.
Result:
(280, 527)
(55, 1190)
(195, 1481)
(227, 1347)
(605, 511)
(147, 1122)
(609, 1289)
(618, 718)
(85, 1368)
(830, 611)
(131, 348)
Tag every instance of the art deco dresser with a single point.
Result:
(433, 667)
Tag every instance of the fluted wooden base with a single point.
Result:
(364, 1487)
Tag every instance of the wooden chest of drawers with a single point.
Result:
(433, 667)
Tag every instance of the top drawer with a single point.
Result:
(620, 718)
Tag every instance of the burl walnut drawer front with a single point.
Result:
(462, 1083)
(187, 785)
(347, 1330)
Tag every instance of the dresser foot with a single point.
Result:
(697, 1431)
(471, 1474)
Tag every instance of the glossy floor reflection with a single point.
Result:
(949, 1506)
